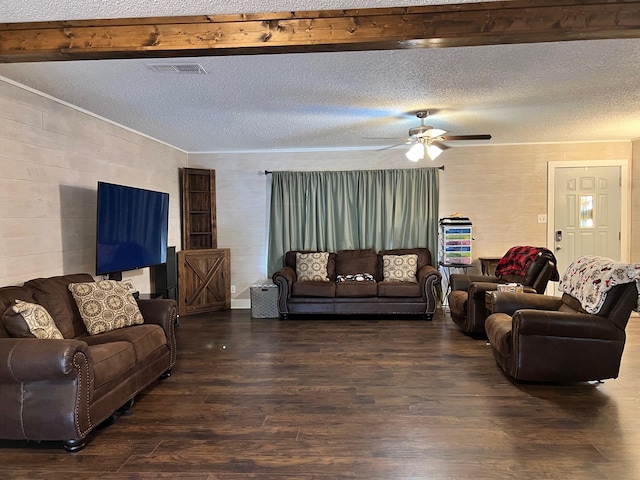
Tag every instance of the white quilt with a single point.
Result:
(589, 278)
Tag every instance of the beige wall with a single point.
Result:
(635, 203)
(51, 158)
(501, 188)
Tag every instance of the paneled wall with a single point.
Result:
(51, 157)
(501, 188)
(635, 203)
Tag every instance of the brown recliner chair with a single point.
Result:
(553, 339)
(467, 297)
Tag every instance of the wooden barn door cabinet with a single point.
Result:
(205, 280)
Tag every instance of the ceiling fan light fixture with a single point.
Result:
(415, 153)
(433, 150)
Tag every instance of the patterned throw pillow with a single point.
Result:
(26, 319)
(356, 277)
(105, 305)
(312, 266)
(399, 268)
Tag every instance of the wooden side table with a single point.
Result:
(488, 264)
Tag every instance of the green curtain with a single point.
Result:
(331, 211)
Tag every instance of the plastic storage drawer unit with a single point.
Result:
(264, 301)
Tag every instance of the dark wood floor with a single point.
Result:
(265, 399)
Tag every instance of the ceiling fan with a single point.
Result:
(428, 141)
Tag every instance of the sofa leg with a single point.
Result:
(166, 374)
(76, 445)
(429, 316)
(126, 408)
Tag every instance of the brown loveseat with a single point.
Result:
(374, 295)
(62, 389)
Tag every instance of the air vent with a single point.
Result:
(177, 68)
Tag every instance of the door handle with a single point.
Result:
(558, 247)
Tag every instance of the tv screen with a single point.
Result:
(132, 228)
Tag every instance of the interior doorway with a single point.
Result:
(588, 211)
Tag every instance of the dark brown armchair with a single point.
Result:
(553, 339)
(467, 297)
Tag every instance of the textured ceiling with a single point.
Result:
(551, 92)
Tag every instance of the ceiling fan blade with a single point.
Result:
(428, 132)
(440, 145)
(391, 146)
(404, 139)
(466, 137)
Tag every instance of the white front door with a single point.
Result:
(587, 217)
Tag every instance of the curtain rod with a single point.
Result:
(268, 172)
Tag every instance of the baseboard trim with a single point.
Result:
(240, 303)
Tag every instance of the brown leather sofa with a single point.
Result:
(62, 389)
(553, 339)
(359, 298)
(467, 296)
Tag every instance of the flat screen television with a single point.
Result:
(132, 228)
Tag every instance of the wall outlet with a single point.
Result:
(233, 289)
(542, 218)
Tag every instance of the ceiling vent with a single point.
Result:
(177, 68)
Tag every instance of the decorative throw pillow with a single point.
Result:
(399, 268)
(27, 320)
(105, 305)
(312, 266)
(356, 277)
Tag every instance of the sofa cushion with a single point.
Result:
(53, 294)
(399, 268)
(29, 320)
(314, 289)
(112, 361)
(349, 262)
(105, 305)
(312, 266)
(356, 289)
(290, 261)
(149, 341)
(399, 289)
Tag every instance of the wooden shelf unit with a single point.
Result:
(199, 228)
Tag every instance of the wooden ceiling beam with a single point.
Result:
(434, 26)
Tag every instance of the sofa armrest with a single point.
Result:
(428, 271)
(509, 302)
(284, 279)
(163, 312)
(564, 324)
(462, 281)
(158, 311)
(24, 360)
(429, 278)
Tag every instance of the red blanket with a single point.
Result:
(518, 259)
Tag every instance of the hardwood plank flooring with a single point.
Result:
(265, 399)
